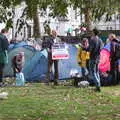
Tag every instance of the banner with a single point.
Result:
(60, 51)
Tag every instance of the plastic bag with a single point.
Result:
(20, 80)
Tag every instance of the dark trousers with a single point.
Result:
(115, 73)
(50, 64)
(1, 72)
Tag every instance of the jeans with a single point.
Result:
(94, 73)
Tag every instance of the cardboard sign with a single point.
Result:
(60, 51)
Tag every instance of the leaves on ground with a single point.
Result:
(42, 102)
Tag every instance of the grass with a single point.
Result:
(40, 102)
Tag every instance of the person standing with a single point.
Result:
(3, 52)
(114, 58)
(95, 47)
(83, 57)
(51, 40)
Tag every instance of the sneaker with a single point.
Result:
(98, 89)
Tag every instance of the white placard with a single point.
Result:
(60, 51)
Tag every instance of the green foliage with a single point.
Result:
(83, 25)
(98, 8)
(33, 8)
(58, 8)
(6, 16)
(95, 9)
(47, 28)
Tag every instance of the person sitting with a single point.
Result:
(17, 63)
(106, 78)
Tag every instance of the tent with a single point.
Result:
(36, 62)
(66, 66)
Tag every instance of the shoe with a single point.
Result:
(55, 83)
(98, 89)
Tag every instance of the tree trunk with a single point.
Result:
(88, 18)
(36, 25)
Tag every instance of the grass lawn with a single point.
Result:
(40, 102)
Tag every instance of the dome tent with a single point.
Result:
(34, 60)
(36, 69)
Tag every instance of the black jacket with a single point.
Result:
(3, 43)
(95, 47)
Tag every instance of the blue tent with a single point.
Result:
(36, 62)
(35, 67)
(65, 66)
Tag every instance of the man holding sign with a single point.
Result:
(53, 39)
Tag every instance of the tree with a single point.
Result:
(93, 10)
(33, 10)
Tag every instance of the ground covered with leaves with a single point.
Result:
(41, 102)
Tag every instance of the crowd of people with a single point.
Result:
(89, 57)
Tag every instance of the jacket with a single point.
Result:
(49, 41)
(95, 47)
(3, 49)
(82, 56)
